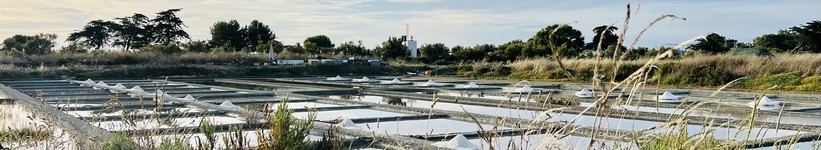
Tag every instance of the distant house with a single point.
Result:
(332, 62)
(375, 63)
(314, 61)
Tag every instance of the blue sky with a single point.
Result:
(453, 22)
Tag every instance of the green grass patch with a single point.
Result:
(783, 81)
(119, 141)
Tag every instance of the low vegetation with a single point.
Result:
(790, 72)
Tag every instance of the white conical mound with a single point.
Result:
(337, 78)
(668, 97)
(119, 86)
(101, 85)
(347, 123)
(430, 83)
(189, 98)
(364, 79)
(159, 93)
(228, 103)
(136, 89)
(526, 88)
(765, 103)
(87, 82)
(395, 81)
(472, 85)
(584, 93)
(458, 142)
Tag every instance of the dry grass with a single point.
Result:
(804, 64)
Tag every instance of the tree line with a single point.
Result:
(165, 32)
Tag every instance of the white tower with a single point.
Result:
(409, 42)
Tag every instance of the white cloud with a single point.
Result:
(454, 22)
(414, 1)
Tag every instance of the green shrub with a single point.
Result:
(158, 48)
(120, 141)
(695, 76)
(810, 84)
(784, 81)
(174, 144)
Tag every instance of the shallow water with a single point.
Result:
(348, 114)
(423, 127)
(243, 86)
(538, 141)
(250, 138)
(609, 123)
(814, 145)
(135, 112)
(153, 123)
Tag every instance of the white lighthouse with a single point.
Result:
(409, 42)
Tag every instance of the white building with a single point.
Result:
(408, 41)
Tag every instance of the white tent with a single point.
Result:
(337, 78)
(395, 81)
(765, 103)
(668, 97)
(228, 103)
(458, 142)
(584, 93)
(364, 79)
(525, 89)
(472, 85)
(271, 53)
(430, 83)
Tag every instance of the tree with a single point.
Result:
(392, 49)
(168, 27)
(94, 34)
(809, 36)
(258, 35)
(714, 44)
(784, 40)
(73, 48)
(477, 52)
(296, 49)
(195, 46)
(318, 44)
(565, 36)
(610, 37)
(513, 49)
(434, 52)
(227, 34)
(37, 44)
(132, 31)
(160, 48)
(351, 49)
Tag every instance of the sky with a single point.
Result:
(452, 22)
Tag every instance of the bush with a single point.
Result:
(157, 48)
(810, 84)
(120, 141)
